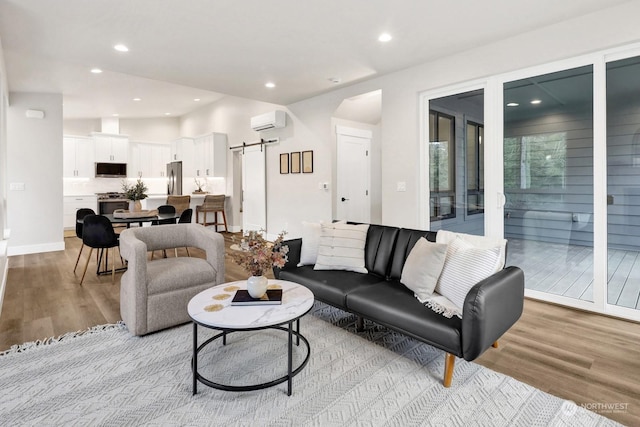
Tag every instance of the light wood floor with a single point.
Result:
(588, 358)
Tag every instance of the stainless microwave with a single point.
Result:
(111, 170)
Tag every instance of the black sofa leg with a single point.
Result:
(360, 324)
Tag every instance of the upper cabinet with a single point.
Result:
(111, 148)
(78, 157)
(147, 160)
(182, 150)
(210, 155)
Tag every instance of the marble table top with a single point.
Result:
(212, 307)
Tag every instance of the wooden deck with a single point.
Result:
(567, 270)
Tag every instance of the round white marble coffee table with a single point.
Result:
(212, 309)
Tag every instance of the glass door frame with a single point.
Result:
(493, 156)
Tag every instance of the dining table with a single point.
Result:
(138, 220)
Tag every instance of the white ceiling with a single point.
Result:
(186, 49)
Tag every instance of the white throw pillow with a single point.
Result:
(423, 267)
(463, 269)
(342, 247)
(310, 240)
(482, 242)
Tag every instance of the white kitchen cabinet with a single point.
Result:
(111, 148)
(183, 149)
(78, 157)
(70, 206)
(210, 155)
(148, 160)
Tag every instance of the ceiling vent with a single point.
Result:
(272, 120)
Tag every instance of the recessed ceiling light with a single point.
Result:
(536, 101)
(167, 114)
(270, 85)
(385, 37)
(137, 99)
(96, 70)
(115, 114)
(121, 48)
(512, 104)
(196, 99)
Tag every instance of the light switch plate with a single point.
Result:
(401, 186)
(16, 186)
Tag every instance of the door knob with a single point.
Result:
(344, 200)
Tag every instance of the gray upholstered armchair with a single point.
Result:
(154, 294)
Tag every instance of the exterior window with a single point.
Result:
(475, 168)
(535, 162)
(442, 166)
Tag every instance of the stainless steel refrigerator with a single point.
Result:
(174, 176)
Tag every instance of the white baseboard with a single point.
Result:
(35, 249)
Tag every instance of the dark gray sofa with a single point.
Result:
(490, 309)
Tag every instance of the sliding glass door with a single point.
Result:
(548, 180)
(456, 162)
(623, 183)
(558, 175)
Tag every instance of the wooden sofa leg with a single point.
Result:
(449, 362)
(360, 324)
(495, 344)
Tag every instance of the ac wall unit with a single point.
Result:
(271, 120)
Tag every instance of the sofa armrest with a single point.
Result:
(490, 309)
(293, 257)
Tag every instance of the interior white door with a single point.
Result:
(254, 189)
(353, 175)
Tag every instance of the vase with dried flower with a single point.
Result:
(135, 193)
(258, 255)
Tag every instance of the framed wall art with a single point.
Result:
(307, 162)
(295, 162)
(284, 163)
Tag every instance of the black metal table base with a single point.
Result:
(291, 372)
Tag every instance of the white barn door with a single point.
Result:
(254, 189)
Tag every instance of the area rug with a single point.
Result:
(105, 376)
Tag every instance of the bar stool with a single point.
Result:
(212, 203)
(181, 203)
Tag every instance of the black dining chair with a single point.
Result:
(185, 218)
(97, 233)
(80, 214)
(167, 210)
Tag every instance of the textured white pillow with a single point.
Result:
(482, 242)
(310, 240)
(423, 267)
(342, 247)
(463, 269)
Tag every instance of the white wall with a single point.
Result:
(400, 114)
(291, 198)
(151, 130)
(34, 146)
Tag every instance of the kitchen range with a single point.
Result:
(109, 202)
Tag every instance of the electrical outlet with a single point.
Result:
(16, 186)
(401, 186)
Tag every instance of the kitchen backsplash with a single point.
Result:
(156, 186)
